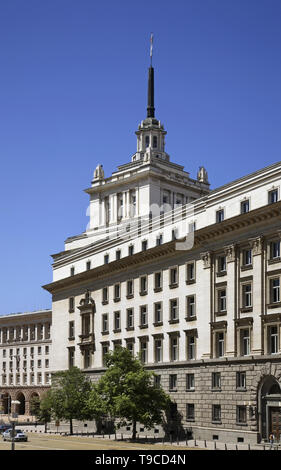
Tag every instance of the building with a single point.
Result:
(25, 351)
(187, 277)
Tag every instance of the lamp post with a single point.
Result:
(13, 422)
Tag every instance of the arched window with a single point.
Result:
(147, 141)
(154, 141)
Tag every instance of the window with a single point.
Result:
(275, 250)
(190, 412)
(154, 141)
(105, 323)
(220, 344)
(190, 305)
(144, 245)
(241, 414)
(190, 382)
(245, 206)
(275, 290)
(174, 277)
(241, 380)
(88, 265)
(106, 259)
(87, 358)
(158, 349)
(143, 285)
(47, 349)
(174, 315)
(71, 304)
(158, 312)
(216, 380)
(117, 292)
(272, 196)
(221, 264)
(247, 257)
(143, 351)
(158, 281)
(245, 342)
(120, 209)
(72, 271)
(147, 141)
(104, 353)
(118, 254)
(159, 240)
(130, 347)
(216, 413)
(133, 204)
(191, 344)
(221, 300)
(105, 295)
(220, 216)
(157, 381)
(130, 288)
(130, 318)
(173, 382)
(247, 295)
(131, 250)
(117, 322)
(71, 355)
(174, 347)
(273, 340)
(190, 272)
(143, 316)
(71, 330)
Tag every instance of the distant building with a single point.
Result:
(25, 351)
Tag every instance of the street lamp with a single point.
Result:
(13, 422)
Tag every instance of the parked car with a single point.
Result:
(19, 435)
(4, 427)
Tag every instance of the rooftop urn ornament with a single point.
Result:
(99, 173)
(202, 175)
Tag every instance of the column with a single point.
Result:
(258, 293)
(204, 276)
(230, 252)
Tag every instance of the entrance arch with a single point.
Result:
(270, 406)
(21, 406)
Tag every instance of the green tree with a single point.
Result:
(42, 408)
(69, 394)
(126, 391)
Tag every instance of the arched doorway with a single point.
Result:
(21, 407)
(270, 406)
(33, 403)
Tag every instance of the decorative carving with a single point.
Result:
(207, 259)
(230, 252)
(257, 245)
(202, 175)
(99, 173)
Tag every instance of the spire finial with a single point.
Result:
(150, 100)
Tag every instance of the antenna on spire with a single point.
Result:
(151, 48)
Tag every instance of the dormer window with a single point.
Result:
(154, 141)
(146, 141)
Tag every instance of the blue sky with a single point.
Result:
(73, 90)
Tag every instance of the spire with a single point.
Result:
(150, 96)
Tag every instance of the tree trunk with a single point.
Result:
(134, 435)
(71, 426)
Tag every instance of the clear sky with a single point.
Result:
(73, 78)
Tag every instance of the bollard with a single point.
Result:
(249, 447)
(178, 440)
(109, 436)
(121, 437)
(195, 443)
(225, 447)
(115, 435)
(236, 447)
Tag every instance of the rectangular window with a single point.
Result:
(216, 380)
(275, 250)
(104, 352)
(157, 381)
(245, 342)
(275, 290)
(106, 259)
(72, 271)
(158, 281)
(173, 382)
(174, 348)
(216, 413)
(143, 285)
(222, 264)
(190, 412)
(245, 206)
(105, 295)
(130, 347)
(173, 277)
(190, 382)
(117, 292)
(71, 305)
(130, 318)
(221, 300)
(131, 250)
(190, 272)
(117, 321)
(191, 311)
(105, 323)
(144, 245)
(247, 295)
(220, 216)
(71, 330)
(272, 196)
(241, 380)
(159, 239)
(71, 354)
(191, 347)
(130, 288)
(174, 311)
(273, 339)
(241, 414)
(220, 344)
(143, 315)
(247, 257)
(143, 351)
(88, 265)
(158, 350)
(158, 312)
(118, 254)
